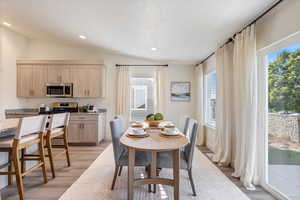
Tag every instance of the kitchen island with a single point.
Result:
(85, 128)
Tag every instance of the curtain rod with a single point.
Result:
(251, 23)
(118, 65)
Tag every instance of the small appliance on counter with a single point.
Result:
(87, 108)
(60, 107)
(44, 108)
(65, 107)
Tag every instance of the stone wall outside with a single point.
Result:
(286, 125)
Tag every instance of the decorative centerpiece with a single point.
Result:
(153, 120)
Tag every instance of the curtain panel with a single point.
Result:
(199, 79)
(224, 103)
(122, 101)
(160, 95)
(245, 87)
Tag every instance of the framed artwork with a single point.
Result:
(180, 91)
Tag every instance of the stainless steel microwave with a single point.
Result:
(60, 90)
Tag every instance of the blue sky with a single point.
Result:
(272, 56)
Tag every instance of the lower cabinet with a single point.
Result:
(86, 128)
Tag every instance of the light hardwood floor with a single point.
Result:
(258, 194)
(81, 159)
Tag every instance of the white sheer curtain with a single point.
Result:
(224, 110)
(199, 79)
(122, 101)
(160, 96)
(246, 108)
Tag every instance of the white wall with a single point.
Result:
(175, 110)
(13, 47)
(281, 22)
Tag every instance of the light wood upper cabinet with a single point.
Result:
(80, 79)
(58, 74)
(88, 77)
(31, 81)
(88, 81)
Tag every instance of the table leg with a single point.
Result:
(131, 160)
(176, 172)
(153, 167)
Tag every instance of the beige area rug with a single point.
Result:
(95, 182)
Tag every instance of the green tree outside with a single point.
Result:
(284, 82)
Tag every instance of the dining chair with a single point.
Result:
(164, 159)
(58, 130)
(30, 131)
(184, 124)
(120, 151)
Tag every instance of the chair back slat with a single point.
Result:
(30, 125)
(117, 130)
(59, 120)
(189, 149)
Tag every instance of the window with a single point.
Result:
(141, 98)
(210, 98)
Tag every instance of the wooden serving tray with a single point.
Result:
(141, 136)
(170, 136)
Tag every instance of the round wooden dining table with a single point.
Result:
(154, 143)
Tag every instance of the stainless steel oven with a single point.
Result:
(60, 90)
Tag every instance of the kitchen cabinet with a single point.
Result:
(88, 77)
(86, 128)
(58, 74)
(88, 81)
(31, 81)
(74, 132)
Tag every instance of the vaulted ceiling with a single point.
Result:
(180, 30)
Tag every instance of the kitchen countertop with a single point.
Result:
(35, 111)
(7, 124)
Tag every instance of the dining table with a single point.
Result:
(154, 142)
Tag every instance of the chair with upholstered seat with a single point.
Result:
(58, 127)
(121, 153)
(164, 159)
(184, 124)
(31, 130)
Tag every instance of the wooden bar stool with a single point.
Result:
(31, 130)
(58, 130)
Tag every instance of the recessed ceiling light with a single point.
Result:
(153, 49)
(6, 24)
(82, 37)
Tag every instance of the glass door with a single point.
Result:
(283, 121)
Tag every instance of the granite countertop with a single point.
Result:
(35, 111)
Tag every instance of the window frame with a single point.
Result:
(207, 119)
(133, 90)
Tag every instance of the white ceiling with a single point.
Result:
(181, 30)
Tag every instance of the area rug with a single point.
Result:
(95, 182)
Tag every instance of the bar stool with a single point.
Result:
(30, 131)
(58, 127)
